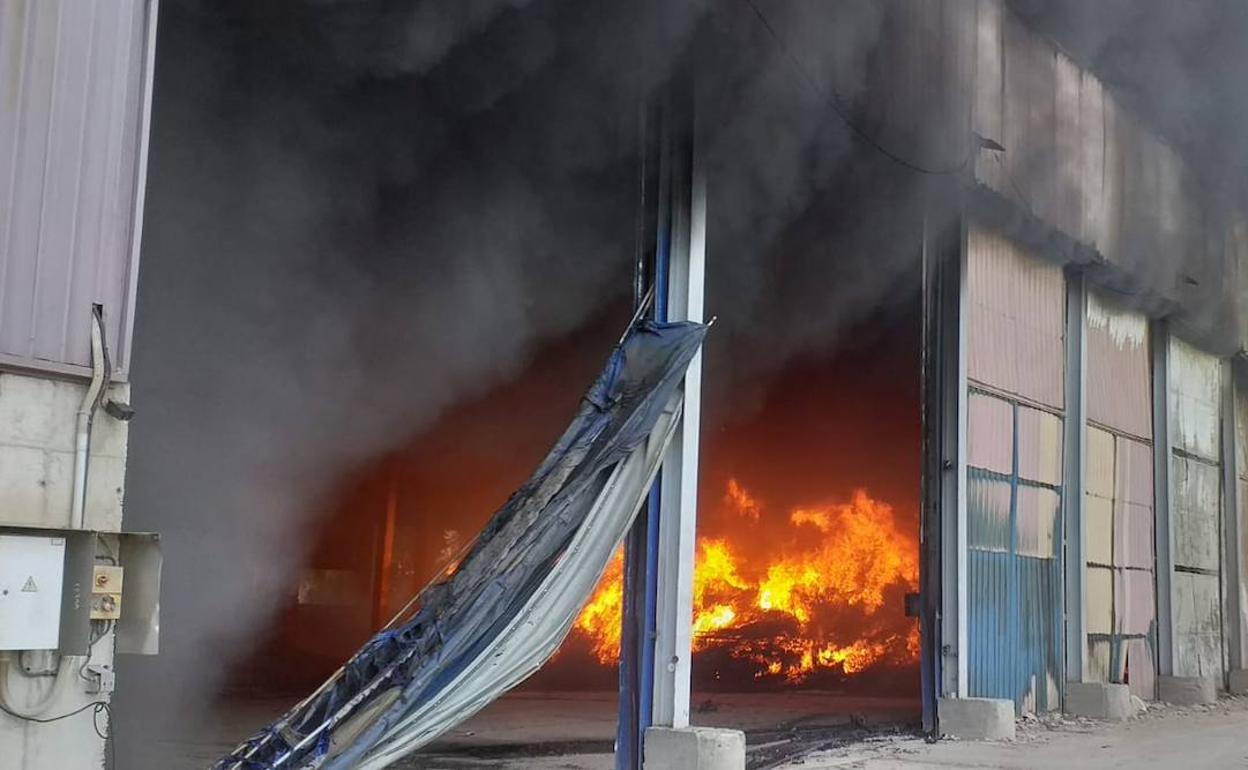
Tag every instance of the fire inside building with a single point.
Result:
(922, 410)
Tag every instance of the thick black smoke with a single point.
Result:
(1181, 65)
(360, 213)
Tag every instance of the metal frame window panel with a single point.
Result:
(1015, 536)
(1119, 603)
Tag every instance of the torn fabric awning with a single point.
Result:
(508, 604)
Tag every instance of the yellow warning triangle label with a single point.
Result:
(30, 586)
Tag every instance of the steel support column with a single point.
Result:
(951, 368)
(1163, 534)
(1075, 474)
(1233, 572)
(678, 506)
(658, 613)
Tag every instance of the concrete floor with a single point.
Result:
(573, 731)
(1164, 737)
(554, 730)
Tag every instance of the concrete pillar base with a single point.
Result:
(1187, 690)
(1099, 701)
(694, 748)
(976, 719)
(1238, 681)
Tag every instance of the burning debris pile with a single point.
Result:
(828, 599)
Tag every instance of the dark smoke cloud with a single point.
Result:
(360, 213)
(1181, 65)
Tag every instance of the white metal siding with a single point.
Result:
(72, 113)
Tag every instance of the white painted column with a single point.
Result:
(679, 492)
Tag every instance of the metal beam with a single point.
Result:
(953, 373)
(1233, 574)
(1163, 534)
(678, 508)
(1075, 474)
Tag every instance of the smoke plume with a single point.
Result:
(361, 213)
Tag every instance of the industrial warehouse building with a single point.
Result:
(1036, 448)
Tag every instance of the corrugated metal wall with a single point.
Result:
(72, 107)
(1016, 364)
(1118, 514)
(1196, 508)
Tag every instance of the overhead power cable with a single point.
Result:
(839, 110)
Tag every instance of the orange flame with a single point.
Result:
(846, 558)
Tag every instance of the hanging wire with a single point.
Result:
(839, 110)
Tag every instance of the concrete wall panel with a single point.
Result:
(1194, 505)
(1198, 629)
(1195, 400)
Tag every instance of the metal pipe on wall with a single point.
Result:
(86, 418)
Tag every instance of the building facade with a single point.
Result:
(73, 143)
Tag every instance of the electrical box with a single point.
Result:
(32, 573)
(106, 593)
(54, 583)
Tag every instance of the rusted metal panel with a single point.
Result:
(1017, 320)
(71, 136)
(1119, 382)
(1198, 625)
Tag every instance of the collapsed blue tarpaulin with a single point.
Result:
(512, 599)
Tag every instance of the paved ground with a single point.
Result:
(1163, 738)
(535, 731)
